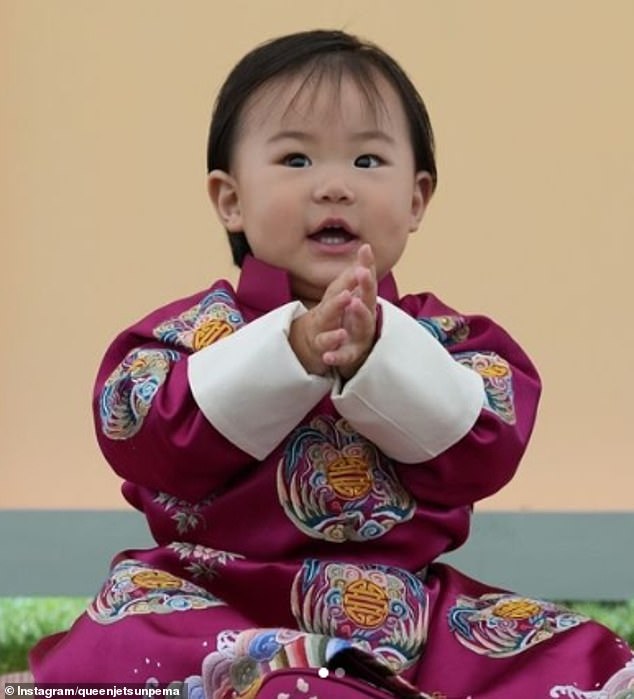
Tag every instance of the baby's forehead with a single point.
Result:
(309, 97)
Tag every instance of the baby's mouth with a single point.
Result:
(332, 235)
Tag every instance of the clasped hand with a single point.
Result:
(339, 331)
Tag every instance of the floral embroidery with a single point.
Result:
(334, 484)
(187, 515)
(128, 393)
(498, 381)
(448, 330)
(619, 686)
(216, 316)
(135, 587)
(204, 560)
(499, 625)
(382, 609)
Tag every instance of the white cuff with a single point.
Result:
(251, 386)
(410, 397)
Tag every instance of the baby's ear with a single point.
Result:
(223, 192)
(423, 189)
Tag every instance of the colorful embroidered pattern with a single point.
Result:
(128, 393)
(244, 658)
(448, 330)
(215, 317)
(500, 625)
(187, 515)
(498, 381)
(380, 608)
(204, 561)
(619, 686)
(334, 484)
(135, 587)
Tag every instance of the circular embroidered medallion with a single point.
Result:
(336, 485)
(214, 317)
(135, 588)
(499, 625)
(380, 608)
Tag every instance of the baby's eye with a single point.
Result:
(368, 160)
(296, 160)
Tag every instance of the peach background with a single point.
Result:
(103, 119)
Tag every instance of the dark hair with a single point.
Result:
(318, 53)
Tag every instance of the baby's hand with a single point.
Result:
(359, 319)
(339, 332)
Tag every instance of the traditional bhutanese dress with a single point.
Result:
(298, 516)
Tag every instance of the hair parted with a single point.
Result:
(318, 54)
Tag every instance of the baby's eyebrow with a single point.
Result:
(371, 135)
(295, 135)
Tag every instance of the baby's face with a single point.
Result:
(319, 172)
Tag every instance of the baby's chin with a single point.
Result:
(310, 292)
(309, 299)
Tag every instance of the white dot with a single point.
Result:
(340, 672)
(323, 672)
(205, 644)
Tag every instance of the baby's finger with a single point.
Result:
(366, 277)
(330, 340)
(339, 357)
(347, 358)
(360, 321)
(366, 287)
(329, 312)
(365, 256)
(347, 280)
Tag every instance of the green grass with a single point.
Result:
(24, 620)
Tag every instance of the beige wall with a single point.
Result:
(103, 118)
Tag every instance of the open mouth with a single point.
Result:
(332, 235)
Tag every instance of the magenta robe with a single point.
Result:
(262, 565)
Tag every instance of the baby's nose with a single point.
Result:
(334, 188)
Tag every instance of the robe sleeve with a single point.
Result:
(264, 389)
(191, 395)
(454, 396)
(410, 397)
